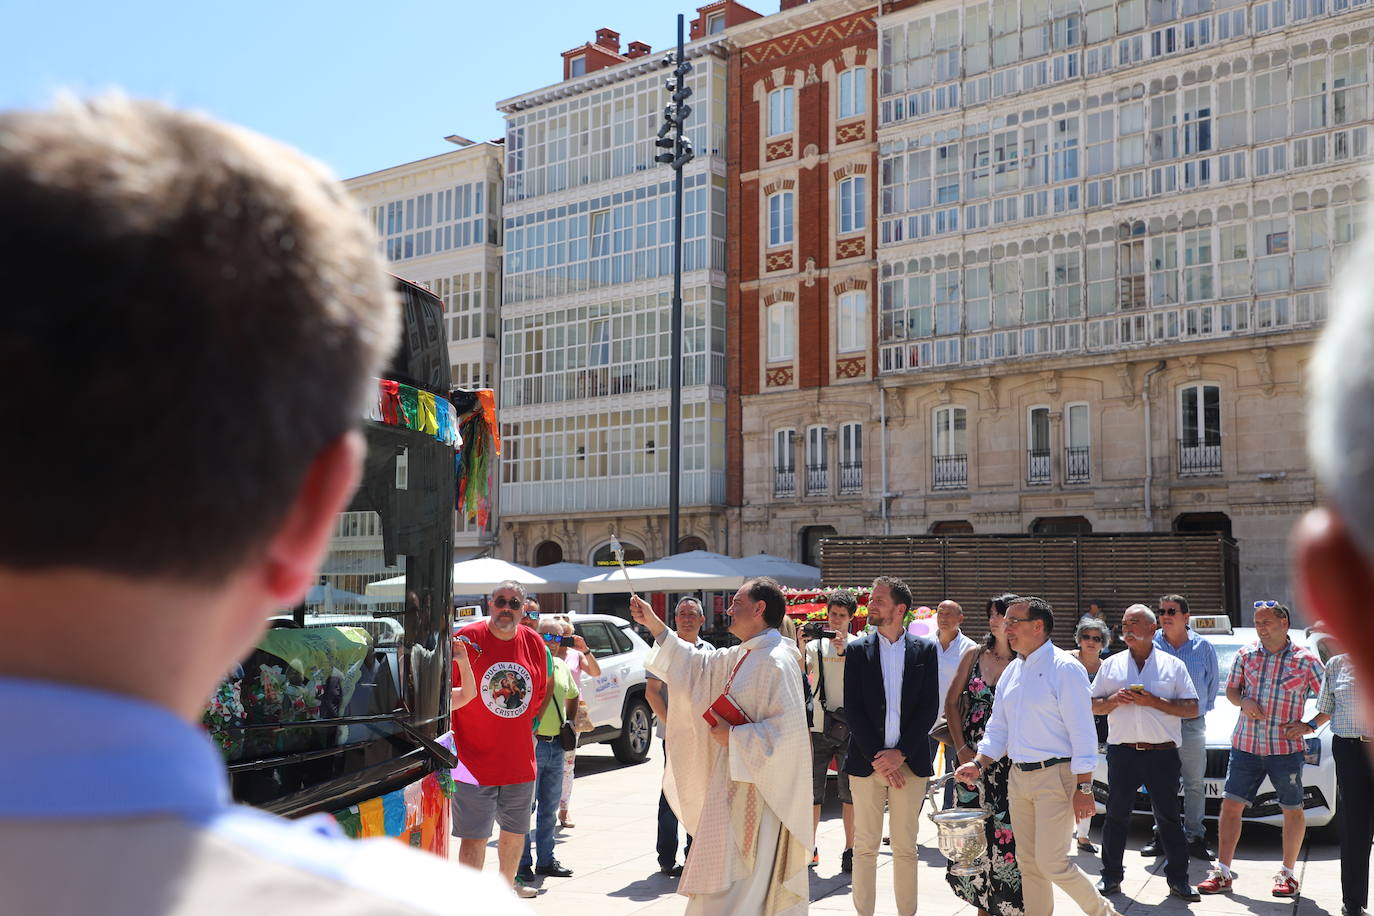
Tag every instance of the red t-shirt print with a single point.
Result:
(492, 733)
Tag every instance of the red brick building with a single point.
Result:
(803, 273)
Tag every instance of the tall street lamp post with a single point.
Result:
(676, 153)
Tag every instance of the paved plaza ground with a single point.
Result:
(611, 851)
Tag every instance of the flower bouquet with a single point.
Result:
(223, 712)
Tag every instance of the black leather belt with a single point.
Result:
(546, 737)
(1146, 746)
(1028, 767)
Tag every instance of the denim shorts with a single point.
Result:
(1245, 772)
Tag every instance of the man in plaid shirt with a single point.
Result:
(1270, 682)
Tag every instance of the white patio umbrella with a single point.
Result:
(562, 577)
(480, 575)
(700, 570)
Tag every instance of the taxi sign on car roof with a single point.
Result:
(1211, 623)
(469, 610)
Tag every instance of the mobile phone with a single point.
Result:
(567, 640)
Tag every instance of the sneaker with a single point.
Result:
(847, 860)
(815, 857)
(1285, 885)
(1216, 882)
(524, 891)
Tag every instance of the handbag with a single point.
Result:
(725, 709)
(834, 725)
(940, 730)
(567, 737)
(582, 722)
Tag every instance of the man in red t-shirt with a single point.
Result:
(493, 735)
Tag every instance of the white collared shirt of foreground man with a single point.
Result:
(1042, 719)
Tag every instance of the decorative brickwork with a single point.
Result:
(782, 184)
(849, 248)
(848, 133)
(809, 39)
(853, 367)
(780, 149)
(779, 260)
(780, 377)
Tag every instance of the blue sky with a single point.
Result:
(361, 86)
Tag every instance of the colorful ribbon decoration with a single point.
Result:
(410, 408)
(415, 815)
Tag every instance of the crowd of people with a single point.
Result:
(232, 283)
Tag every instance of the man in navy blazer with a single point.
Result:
(891, 697)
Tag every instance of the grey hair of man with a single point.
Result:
(1092, 623)
(1142, 609)
(1340, 431)
(512, 585)
(688, 601)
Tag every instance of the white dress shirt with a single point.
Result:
(949, 660)
(1164, 676)
(892, 656)
(1043, 710)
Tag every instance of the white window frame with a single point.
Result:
(785, 449)
(852, 203)
(715, 23)
(572, 66)
(853, 92)
(1070, 426)
(816, 437)
(851, 322)
(781, 212)
(782, 323)
(1030, 426)
(1201, 430)
(781, 111)
(944, 435)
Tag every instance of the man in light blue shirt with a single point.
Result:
(189, 399)
(1200, 658)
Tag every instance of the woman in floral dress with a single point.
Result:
(997, 890)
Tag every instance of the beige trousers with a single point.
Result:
(1041, 803)
(870, 794)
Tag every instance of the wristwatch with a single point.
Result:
(1085, 788)
(1312, 725)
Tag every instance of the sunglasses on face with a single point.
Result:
(1089, 637)
(512, 603)
(1169, 611)
(1260, 604)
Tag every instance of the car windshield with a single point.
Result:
(1226, 654)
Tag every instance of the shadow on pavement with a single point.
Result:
(653, 887)
(588, 765)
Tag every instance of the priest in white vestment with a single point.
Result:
(743, 792)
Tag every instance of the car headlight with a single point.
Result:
(1312, 753)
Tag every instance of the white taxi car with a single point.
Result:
(1319, 774)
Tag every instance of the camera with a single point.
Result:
(815, 629)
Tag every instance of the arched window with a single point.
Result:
(853, 92)
(548, 553)
(853, 204)
(780, 219)
(782, 321)
(780, 106)
(852, 322)
(691, 542)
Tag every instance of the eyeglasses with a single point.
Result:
(1089, 637)
(1260, 604)
(1169, 611)
(512, 603)
(1009, 620)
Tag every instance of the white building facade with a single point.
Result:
(438, 221)
(1091, 208)
(586, 315)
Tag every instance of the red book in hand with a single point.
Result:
(726, 710)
